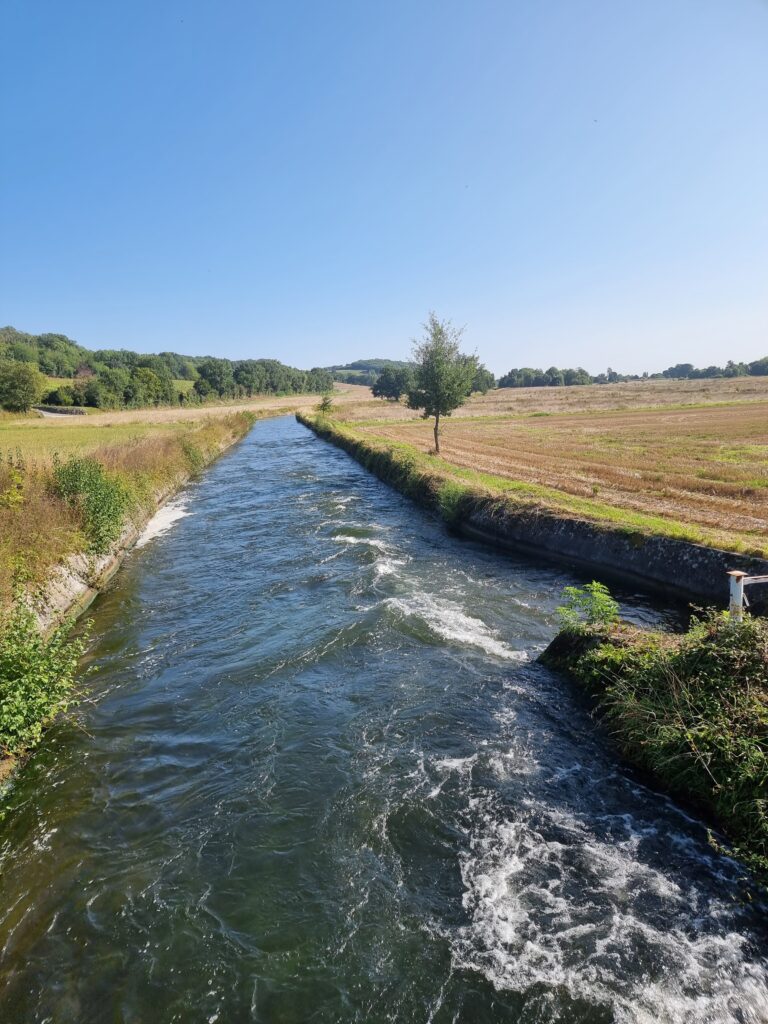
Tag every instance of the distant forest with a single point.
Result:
(119, 378)
(365, 371)
(529, 377)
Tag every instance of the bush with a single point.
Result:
(36, 676)
(693, 711)
(102, 499)
(591, 605)
(325, 406)
(21, 385)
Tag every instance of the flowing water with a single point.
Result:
(318, 776)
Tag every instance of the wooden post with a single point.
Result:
(736, 603)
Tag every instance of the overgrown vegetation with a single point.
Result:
(101, 499)
(690, 709)
(37, 675)
(53, 507)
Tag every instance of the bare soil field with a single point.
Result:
(703, 464)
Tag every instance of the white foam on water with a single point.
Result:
(447, 620)
(162, 521)
(388, 566)
(590, 917)
(370, 542)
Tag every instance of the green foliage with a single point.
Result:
(36, 676)
(591, 604)
(102, 499)
(393, 382)
(450, 498)
(325, 407)
(119, 378)
(21, 386)
(443, 375)
(483, 381)
(693, 711)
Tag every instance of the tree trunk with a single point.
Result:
(437, 432)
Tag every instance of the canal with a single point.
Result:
(318, 776)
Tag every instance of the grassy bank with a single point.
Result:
(68, 490)
(457, 491)
(690, 710)
(87, 500)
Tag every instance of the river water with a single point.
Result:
(318, 777)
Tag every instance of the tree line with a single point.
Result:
(120, 378)
(530, 377)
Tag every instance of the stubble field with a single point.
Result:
(691, 454)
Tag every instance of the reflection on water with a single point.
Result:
(319, 777)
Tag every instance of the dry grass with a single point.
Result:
(634, 395)
(39, 530)
(704, 464)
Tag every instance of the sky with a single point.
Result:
(576, 182)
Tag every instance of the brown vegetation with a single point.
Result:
(39, 529)
(703, 463)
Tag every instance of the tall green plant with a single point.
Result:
(103, 500)
(37, 675)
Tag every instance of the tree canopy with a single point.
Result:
(443, 375)
(21, 385)
(119, 378)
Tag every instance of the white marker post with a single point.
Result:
(736, 603)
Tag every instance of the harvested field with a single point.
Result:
(588, 398)
(702, 466)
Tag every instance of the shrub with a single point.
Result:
(693, 711)
(102, 499)
(21, 385)
(591, 605)
(36, 676)
(325, 406)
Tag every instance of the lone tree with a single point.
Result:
(21, 385)
(443, 375)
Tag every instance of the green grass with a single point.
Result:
(38, 439)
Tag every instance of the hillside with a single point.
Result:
(364, 371)
(121, 378)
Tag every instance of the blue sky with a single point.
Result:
(576, 181)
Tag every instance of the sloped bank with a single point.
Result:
(690, 710)
(666, 564)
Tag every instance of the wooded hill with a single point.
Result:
(120, 378)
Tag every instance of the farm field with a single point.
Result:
(585, 398)
(38, 437)
(695, 468)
